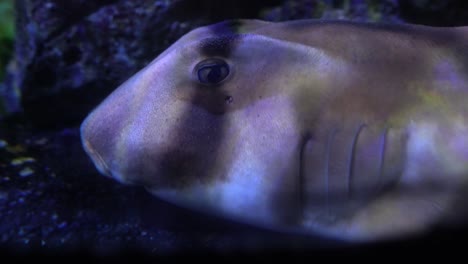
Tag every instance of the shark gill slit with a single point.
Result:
(330, 138)
(383, 146)
(302, 176)
(352, 157)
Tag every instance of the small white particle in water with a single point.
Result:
(21, 160)
(3, 143)
(41, 141)
(26, 172)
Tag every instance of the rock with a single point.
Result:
(71, 54)
(355, 10)
(435, 12)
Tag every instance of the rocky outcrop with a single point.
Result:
(71, 54)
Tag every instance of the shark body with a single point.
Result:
(354, 131)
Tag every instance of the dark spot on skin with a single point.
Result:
(189, 160)
(228, 99)
(178, 165)
(212, 99)
(221, 46)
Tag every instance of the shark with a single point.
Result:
(354, 131)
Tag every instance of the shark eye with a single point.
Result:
(212, 71)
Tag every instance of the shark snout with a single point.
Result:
(99, 146)
(97, 159)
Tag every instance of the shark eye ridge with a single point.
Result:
(212, 71)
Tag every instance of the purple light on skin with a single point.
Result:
(459, 143)
(447, 73)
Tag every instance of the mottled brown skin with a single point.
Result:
(356, 131)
